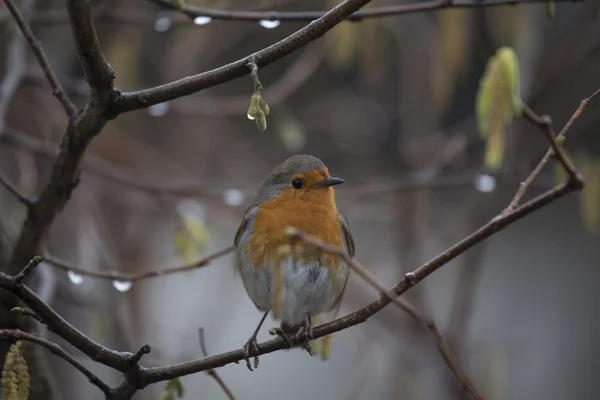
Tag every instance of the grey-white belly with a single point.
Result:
(307, 289)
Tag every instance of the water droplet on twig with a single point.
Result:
(250, 117)
(269, 24)
(158, 110)
(202, 20)
(122, 286)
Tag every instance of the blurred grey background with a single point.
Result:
(388, 104)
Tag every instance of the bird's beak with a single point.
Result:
(331, 181)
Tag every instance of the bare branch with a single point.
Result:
(38, 52)
(117, 360)
(114, 275)
(34, 262)
(183, 87)
(26, 312)
(81, 130)
(11, 187)
(58, 351)
(440, 343)
(211, 372)
(135, 358)
(555, 149)
(290, 81)
(307, 16)
(98, 73)
(16, 64)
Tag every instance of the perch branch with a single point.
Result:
(441, 344)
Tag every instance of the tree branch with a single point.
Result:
(55, 349)
(545, 123)
(81, 130)
(114, 275)
(441, 344)
(97, 352)
(38, 52)
(12, 188)
(306, 16)
(183, 87)
(98, 73)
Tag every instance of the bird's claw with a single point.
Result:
(279, 332)
(308, 337)
(251, 346)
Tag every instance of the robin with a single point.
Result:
(280, 275)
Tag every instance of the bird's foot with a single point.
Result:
(281, 333)
(251, 346)
(308, 336)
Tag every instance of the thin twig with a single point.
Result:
(26, 312)
(306, 16)
(58, 351)
(132, 277)
(554, 150)
(211, 372)
(11, 187)
(16, 64)
(34, 262)
(135, 358)
(38, 52)
(441, 344)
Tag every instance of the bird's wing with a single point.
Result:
(349, 247)
(244, 225)
(348, 241)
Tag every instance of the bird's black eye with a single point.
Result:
(297, 183)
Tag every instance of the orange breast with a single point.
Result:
(313, 212)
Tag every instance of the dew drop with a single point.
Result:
(75, 278)
(202, 20)
(158, 110)
(269, 24)
(485, 183)
(122, 286)
(233, 197)
(250, 117)
(162, 24)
